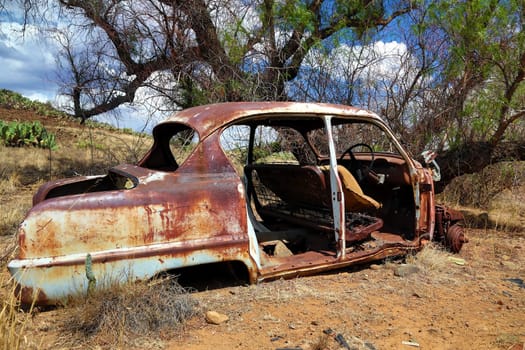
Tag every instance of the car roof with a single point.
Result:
(207, 118)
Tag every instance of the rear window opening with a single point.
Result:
(174, 143)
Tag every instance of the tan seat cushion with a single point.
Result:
(355, 199)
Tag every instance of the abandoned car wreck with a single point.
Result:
(281, 189)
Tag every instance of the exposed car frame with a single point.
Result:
(141, 220)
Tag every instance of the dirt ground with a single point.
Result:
(478, 305)
(476, 302)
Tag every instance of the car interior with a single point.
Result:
(287, 179)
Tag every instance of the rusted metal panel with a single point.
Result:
(43, 191)
(312, 264)
(427, 209)
(209, 118)
(181, 210)
(51, 280)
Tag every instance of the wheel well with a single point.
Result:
(212, 275)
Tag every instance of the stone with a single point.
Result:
(405, 270)
(214, 317)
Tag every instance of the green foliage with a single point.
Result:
(295, 14)
(13, 100)
(483, 56)
(480, 33)
(363, 13)
(266, 150)
(18, 134)
(233, 37)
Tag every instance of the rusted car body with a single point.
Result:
(283, 189)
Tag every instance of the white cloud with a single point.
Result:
(26, 61)
(147, 110)
(379, 59)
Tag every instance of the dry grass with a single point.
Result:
(11, 215)
(122, 316)
(13, 321)
(9, 184)
(322, 343)
(478, 190)
(81, 152)
(87, 153)
(8, 245)
(491, 199)
(433, 258)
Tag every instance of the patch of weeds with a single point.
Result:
(13, 321)
(321, 343)
(83, 144)
(432, 258)
(122, 315)
(505, 340)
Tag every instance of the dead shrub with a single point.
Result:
(123, 315)
(432, 258)
(478, 190)
(321, 343)
(492, 198)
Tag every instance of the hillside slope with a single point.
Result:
(82, 150)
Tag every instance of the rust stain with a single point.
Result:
(27, 296)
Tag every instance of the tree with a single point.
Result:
(455, 82)
(398, 79)
(483, 89)
(213, 50)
